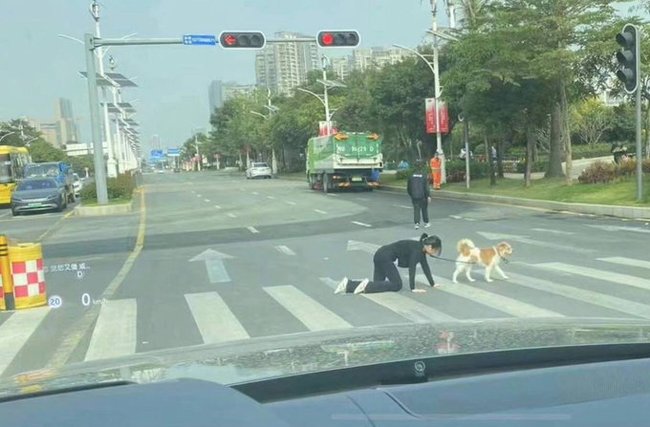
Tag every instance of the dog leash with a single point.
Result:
(453, 260)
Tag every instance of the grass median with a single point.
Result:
(622, 192)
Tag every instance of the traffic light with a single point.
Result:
(629, 57)
(338, 39)
(242, 40)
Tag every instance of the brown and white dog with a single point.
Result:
(469, 254)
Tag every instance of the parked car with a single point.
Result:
(38, 194)
(77, 184)
(259, 170)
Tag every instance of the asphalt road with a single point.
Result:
(209, 258)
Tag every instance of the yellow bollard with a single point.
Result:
(6, 286)
(27, 275)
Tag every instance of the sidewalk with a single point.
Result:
(630, 212)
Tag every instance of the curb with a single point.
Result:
(122, 208)
(630, 212)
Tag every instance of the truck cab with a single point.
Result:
(60, 171)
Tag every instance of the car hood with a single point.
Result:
(36, 194)
(277, 356)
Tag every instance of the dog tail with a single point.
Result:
(464, 246)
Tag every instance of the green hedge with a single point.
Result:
(120, 187)
(456, 170)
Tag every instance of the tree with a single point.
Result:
(590, 119)
(19, 134)
(42, 151)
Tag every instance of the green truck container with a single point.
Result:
(343, 160)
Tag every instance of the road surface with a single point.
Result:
(208, 258)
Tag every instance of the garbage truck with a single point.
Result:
(344, 160)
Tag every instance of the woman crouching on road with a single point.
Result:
(386, 278)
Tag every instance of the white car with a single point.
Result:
(77, 184)
(259, 170)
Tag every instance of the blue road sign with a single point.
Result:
(173, 152)
(157, 153)
(199, 39)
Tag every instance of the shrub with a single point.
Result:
(120, 187)
(628, 167)
(538, 166)
(598, 172)
(404, 173)
(456, 170)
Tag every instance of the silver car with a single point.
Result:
(259, 170)
(38, 194)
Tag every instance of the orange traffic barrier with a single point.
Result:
(23, 277)
(5, 276)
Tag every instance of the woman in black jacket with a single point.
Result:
(386, 278)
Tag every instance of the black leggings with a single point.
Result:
(384, 269)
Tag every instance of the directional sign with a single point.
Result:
(173, 152)
(200, 40)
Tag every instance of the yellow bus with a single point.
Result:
(12, 162)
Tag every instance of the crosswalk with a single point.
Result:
(547, 289)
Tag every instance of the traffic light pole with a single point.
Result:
(91, 43)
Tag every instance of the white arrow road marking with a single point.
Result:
(253, 230)
(214, 265)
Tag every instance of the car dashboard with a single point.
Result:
(565, 386)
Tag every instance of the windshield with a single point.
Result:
(42, 170)
(6, 174)
(36, 184)
(343, 169)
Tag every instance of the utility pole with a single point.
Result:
(325, 98)
(436, 73)
(111, 163)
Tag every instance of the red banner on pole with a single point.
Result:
(437, 119)
(430, 114)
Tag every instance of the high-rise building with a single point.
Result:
(283, 66)
(215, 95)
(219, 92)
(65, 119)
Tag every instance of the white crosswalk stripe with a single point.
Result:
(215, 321)
(631, 262)
(593, 273)
(15, 332)
(408, 308)
(115, 331)
(310, 312)
(498, 302)
(583, 295)
(285, 250)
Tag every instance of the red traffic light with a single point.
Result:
(327, 39)
(242, 39)
(348, 38)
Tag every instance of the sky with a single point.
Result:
(172, 98)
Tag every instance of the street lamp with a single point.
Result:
(436, 77)
(6, 135)
(196, 145)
